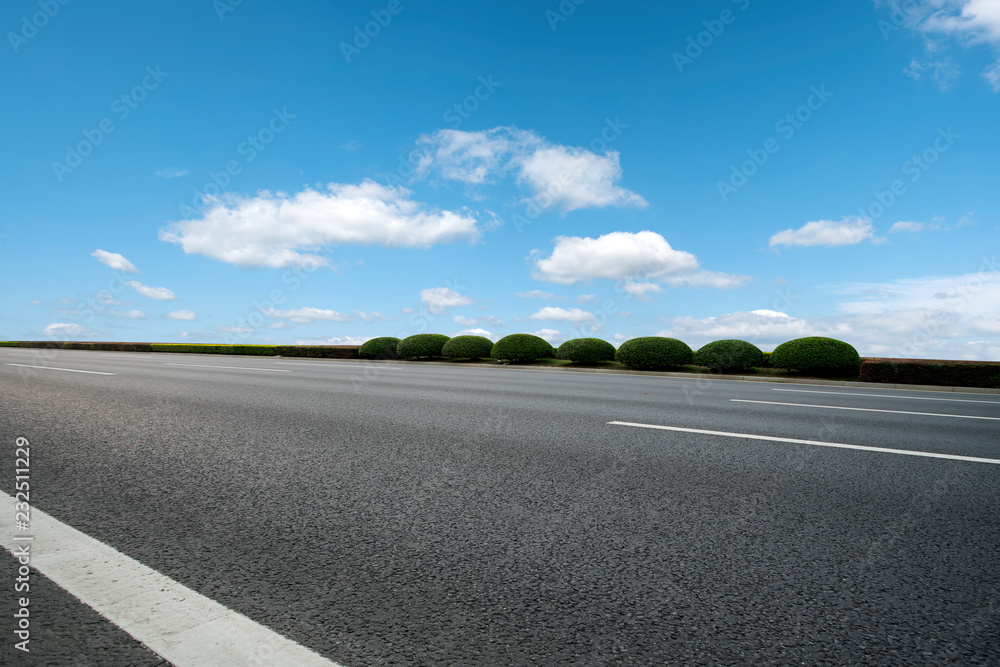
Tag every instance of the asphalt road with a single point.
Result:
(401, 514)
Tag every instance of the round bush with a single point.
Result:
(421, 345)
(586, 350)
(654, 352)
(816, 354)
(725, 355)
(521, 348)
(467, 347)
(379, 348)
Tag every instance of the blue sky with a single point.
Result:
(313, 172)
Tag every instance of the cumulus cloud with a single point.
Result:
(279, 230)
(765, 328)
(114, 260)
(440, 299)
(124, 314)
(306, 315)
(639, 290)
(849, 231)
(67, 330)
(492, 320)
(158, 293)
(575, 315)
(475, 332)
(551, 335)
(182, 315)
(636, 259)
(556, 176)
(464, 321)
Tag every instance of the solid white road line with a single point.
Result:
(53, 368)
(238, 368)
(909, 398)
(181, 625)
(750, 436)
(840, 407)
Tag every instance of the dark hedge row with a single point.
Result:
(932, 372)
(322, 351)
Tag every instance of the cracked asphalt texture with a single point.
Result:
(403, 514)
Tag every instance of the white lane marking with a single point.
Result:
(238, 368)
(53, 368)
(181, 625)
(750, 436)
(909, 398)
(840, 407)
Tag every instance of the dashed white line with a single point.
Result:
(909, 398)
(184, 627)
(751, 436)
(237, 368)
(53, 368)
(840, 407)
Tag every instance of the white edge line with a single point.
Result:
(238, 368)
(53, 368)
(864, 448)
(909, 398)
(181, 625)
(841, 407)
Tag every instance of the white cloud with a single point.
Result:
(620, 337)
(66, 330)
(586, 298)
(336, 340)
(35, 302)
(907, 227)
(233, 329)
(849, 231)
(182, 315)
(575, 315)
(639, 290)
(551, 335)
(475, 332)
(114, 260)
(278, 230)
(967, 22)
(171, 173)
(634, 258)
(566, 177)
(492, 320)
(158, 293)
(765, 328)
(537, 294)
(439, 299)
(125, 314)
(306, 315)
(464, 321)
(575, 178)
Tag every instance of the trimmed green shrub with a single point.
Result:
(421, 345)
(586, 351)
(932, 371)
(654, 352)
(4, 343)
(729, 355)
(522, 348)
(320, 351)
(379, 348)
(467, 347)
(816, 354)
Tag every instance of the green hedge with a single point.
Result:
(379, 348)
(586, 351)
(421, 345)
(816, 354)
(932, 372)
(654, 353)
(4, 343)
(105, 347)
(468, 347)
(521, 348)
(729, 355)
